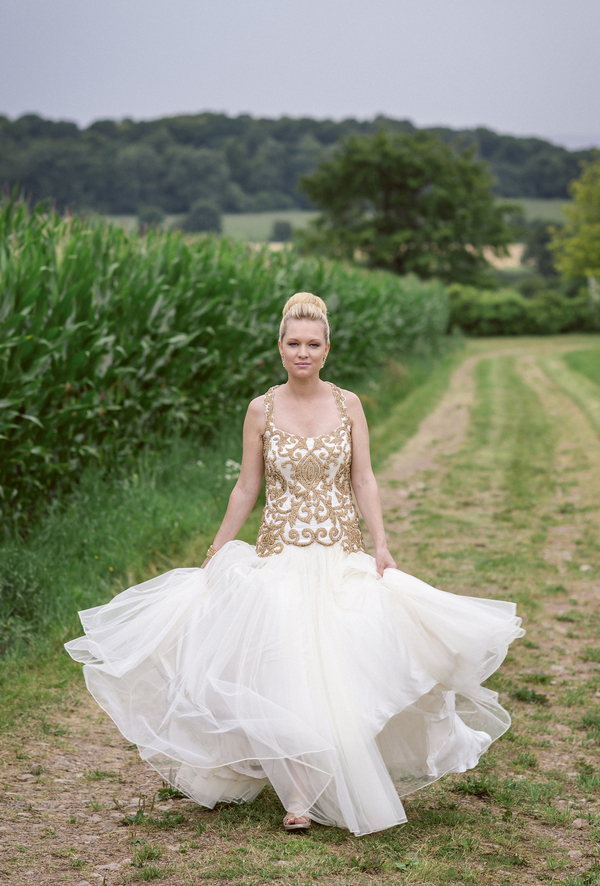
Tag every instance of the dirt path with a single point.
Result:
(443, 432)
(459, 516)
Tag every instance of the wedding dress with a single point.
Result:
(293, 663)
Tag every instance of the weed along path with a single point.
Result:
(497, 494)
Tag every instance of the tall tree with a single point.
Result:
(577, 245)
(538, 236)
(408, 203)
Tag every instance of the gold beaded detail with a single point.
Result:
(211, 552)
(309, 497)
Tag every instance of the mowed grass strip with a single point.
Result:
(514, 518)
(578, 374)
(586, 361)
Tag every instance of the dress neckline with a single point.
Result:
(339, 401)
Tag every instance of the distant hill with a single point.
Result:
(242, 163)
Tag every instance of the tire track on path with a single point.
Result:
(422, 463)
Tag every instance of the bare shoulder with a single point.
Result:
(257, 405)
(255, 416)
(355, 411)
(353, 404)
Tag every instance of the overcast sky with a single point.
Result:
(517, 66)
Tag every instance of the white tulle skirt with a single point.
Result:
(304, 670)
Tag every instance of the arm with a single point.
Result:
(245, 492)
(364, 483)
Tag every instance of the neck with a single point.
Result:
(301, 388)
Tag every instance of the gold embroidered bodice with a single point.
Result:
(308, 491)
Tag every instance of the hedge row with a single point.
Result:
(482, 312)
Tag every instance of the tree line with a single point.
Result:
(241, 164)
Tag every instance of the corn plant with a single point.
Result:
(110, 342)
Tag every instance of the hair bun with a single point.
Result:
(305, 298)
(304, 305)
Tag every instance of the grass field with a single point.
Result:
(587, 363)
(256, 226)
(495, 493)
(550, 211)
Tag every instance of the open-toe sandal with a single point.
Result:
(293, 822)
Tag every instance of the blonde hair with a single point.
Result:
(304, 305)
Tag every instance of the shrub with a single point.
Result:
(150, 217)
(203, 216)
(281, 231)
(507, 312)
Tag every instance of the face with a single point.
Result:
(303, 347)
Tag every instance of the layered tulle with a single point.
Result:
(304, 670)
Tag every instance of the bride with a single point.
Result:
(302, 662)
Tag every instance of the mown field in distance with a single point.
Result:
(256, 226)
(550, 211)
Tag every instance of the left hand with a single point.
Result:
(384, 560)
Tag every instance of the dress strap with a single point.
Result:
(340, 402)
(269, 407)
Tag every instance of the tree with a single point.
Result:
(194, 174)
(150, 218)
(267, 167)
(408, 203)
(577, 245)
(538, 235)
(138, 174)
(203, 216)
(281, 231)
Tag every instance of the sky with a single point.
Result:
(525, 67)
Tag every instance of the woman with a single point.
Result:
(302, 662)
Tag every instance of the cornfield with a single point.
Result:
(109, 342)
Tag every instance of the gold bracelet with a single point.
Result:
(211, 552)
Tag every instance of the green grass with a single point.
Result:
(404, 396)
(550, 211)
(106, 535)
(586, 362)
(129, 223)
(256, 227)
(577, 374)
(148, 852)
(252, 227)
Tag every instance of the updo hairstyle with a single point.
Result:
(304, 305)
